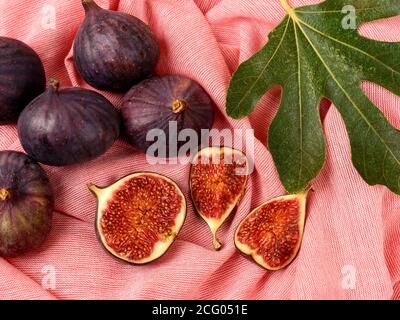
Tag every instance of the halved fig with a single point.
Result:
(139, 216)
(272, 233)
(218, 179)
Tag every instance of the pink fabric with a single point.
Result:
(350, 228)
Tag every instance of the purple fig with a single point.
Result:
(22, 78)
(159, 102)
(113, 50)
(69, 126)
(26, 204)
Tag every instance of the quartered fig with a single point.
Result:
(68, 126)
(113, 50)
(272, 233)
(22, 78)
(218, 179)
(170, 105)
(139, 216)
(26, 204)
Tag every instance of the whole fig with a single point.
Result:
(69, 126)
(113, 50)
(22, 78)
(170, 105)
(26, 204)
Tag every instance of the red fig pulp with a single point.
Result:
(272, 233)
(113, 50)
(139, 216)
(218, 179)
(22, 78)
(26, 204)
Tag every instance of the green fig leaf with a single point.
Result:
(317, 52)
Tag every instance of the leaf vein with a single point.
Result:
(349, 46)
(348, 95)
(300, 100)
(264, 69)
(336, 11)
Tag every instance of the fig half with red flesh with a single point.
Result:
(272, 233)
(218, 179)
(139, 216)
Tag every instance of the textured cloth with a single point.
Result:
(351, 247)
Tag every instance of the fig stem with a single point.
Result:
(54, 83)
(89, 5)
(178, 106)
(217, 245)
(5, 194)
(307, 191)
(95, 189)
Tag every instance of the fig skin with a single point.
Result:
(68, 126)
(22, 78)
(113, 50)
(114, 197)
(26, 204)
(155, 102)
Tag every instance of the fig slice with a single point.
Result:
(272, 233)
(139, 216)
(218, 179)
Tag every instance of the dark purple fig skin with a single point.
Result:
(69, 126)
(113, 50)
(149, 105)
(22, 78)
(26, 204)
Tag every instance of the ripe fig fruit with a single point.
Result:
(272, 233)
(113, 50)
(26, 204)
(69, 126)
(139, 216)
(22, 78)
(218, 178)
(161, 103)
